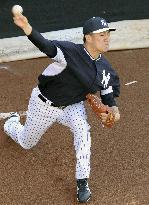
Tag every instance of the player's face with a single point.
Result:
(100, 41)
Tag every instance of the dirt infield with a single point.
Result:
(45, 175)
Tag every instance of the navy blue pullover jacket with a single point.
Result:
(74, 73)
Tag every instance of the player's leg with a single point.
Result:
(75, 117)
(40, 116)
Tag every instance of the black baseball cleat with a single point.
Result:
(83, 191)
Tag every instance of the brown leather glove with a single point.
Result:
(99, 108)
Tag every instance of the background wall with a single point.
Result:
(120, 156)
(52, 15)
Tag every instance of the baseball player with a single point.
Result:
(76, 70)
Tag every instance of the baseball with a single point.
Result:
(17, 9)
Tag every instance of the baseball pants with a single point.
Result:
(41, 115)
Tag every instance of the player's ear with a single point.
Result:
(88, 37)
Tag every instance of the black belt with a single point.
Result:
(52, 104)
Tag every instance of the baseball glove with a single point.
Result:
(98, 107)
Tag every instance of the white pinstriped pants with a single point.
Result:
(40, 116)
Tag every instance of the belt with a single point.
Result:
(52, 104)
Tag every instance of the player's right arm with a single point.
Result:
(35, 37)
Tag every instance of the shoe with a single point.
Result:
(14, 116)
(83, 191)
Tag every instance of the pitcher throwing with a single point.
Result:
(76, 71)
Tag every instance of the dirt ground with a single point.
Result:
(45, 175)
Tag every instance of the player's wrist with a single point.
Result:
(115, 109)
(27, 29)
(116, 113)
(117, 117)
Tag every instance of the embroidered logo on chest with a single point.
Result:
(105, 79)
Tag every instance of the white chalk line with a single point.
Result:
(3, 67)
(132, 82)
(9, 70)
(6, 115)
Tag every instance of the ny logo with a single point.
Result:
(105, 79)
(103, 22)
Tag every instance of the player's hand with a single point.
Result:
(116, 112)
(22, 22)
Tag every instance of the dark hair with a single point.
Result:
(84, 39)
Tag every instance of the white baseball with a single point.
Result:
(17, 9)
